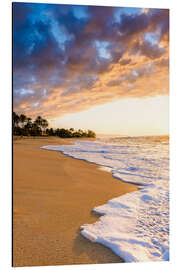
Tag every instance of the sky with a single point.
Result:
(99, 68)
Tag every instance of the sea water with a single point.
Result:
(135, 225)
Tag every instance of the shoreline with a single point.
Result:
(54, 195)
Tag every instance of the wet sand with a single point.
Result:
(53, 195)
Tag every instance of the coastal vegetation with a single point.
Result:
(25, 126)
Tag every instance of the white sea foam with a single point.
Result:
(136, 225)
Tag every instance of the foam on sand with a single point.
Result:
(136, 225)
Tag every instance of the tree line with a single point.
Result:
(25, 126)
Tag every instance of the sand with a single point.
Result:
(53, 195)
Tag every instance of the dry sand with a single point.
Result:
(53, 195)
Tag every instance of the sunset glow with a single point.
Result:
(135, 117)
(102, 68)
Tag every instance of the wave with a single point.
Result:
(136, 225)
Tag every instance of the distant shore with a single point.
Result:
(53, 196)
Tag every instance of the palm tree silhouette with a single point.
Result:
(22, 119)
(15, 119)
(44, 124)
(38, 121)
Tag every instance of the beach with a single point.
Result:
(53, 195)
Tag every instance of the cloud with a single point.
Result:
(69, 58)
(125, 61)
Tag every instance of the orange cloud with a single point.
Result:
(102, 60)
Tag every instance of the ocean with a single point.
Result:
(135, 225)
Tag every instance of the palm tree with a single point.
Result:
(91, 134)
(22, 119)
(80, 131)
(15, 119)
(50, 132)
(44, 124)
(38, 121)
(28, 123)
(35, 130)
